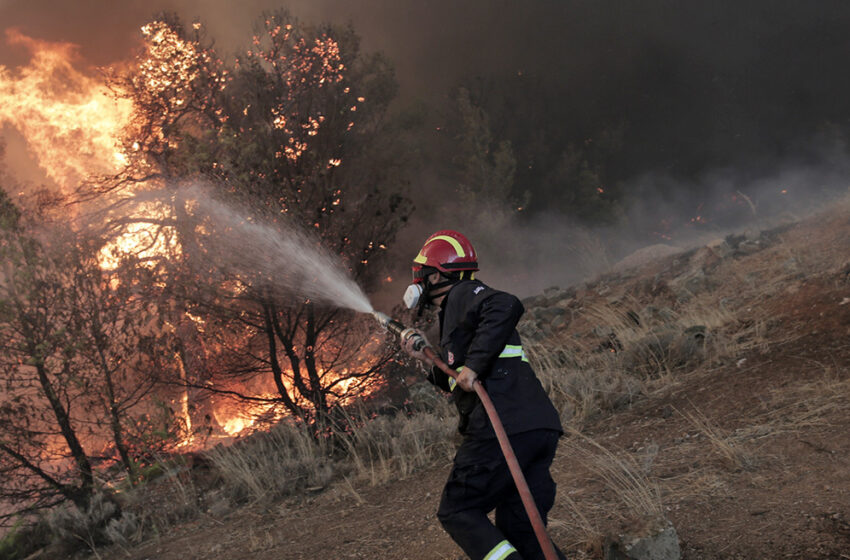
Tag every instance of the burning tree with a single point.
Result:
(76, 352)
(298, 132)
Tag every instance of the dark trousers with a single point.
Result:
(480, 482)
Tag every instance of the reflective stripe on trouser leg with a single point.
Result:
(500, 551)
(474, 487)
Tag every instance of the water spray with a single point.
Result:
(313, 272)
(420, 344)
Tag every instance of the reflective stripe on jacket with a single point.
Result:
(478, 331)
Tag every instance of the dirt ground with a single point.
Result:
(781, 490)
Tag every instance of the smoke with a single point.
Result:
(701, 84)
(669, 213)
(724, 104)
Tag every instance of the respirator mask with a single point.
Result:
(413, 295)
(418, 294)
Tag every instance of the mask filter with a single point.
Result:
(412, 295)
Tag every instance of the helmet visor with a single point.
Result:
(421, 272)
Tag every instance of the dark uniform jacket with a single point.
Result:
(478, 330)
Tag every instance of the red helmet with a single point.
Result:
(447, 251)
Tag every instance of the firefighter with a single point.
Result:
(478, 338)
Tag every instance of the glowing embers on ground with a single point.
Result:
(236, 417)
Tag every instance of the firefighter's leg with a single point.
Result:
(535, 451)
(477, 483)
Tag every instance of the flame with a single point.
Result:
(75, 125)
(77, 128)
(235, 418)
(71, 121)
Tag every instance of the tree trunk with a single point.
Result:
(112, 406)
(82, 494)
(277, 371)
(317, 393)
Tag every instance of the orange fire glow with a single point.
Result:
(235, 419)
(71, 121)
(76, 128)
(73, 125)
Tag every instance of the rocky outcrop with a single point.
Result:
(654, 542)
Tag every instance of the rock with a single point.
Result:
(559, 322)
(720, 248)
(645, 255)
(748, 248)
(565, 303)
(733, 240)
(533, 301)
(697, 283)
(657, 315)
(659, 543)
(551, 291)
(552, 312)
(752, 234)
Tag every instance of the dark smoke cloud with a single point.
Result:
(716, 97)
(703, 82)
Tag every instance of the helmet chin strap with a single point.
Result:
(428, 290)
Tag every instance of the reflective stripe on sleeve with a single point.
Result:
(510, 351)
(500, 551)
(513, 351)
(453, 381)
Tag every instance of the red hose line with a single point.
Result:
(516, 472)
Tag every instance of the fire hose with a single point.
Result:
(420, 344)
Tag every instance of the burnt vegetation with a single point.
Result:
(115, 357)
(143, 331)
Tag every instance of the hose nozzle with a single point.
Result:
(402, 332)
(388, 323)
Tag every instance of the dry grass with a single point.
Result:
(736, 455)
(633, 488)
(585, 379)
(384, 448)
(807, 405)
(283, 461)
(581, 389)
(369, 449)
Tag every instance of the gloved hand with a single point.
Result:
(466, 378)
(407, 346)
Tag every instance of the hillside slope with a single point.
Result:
(740, 436)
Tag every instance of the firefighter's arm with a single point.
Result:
(497, 317)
